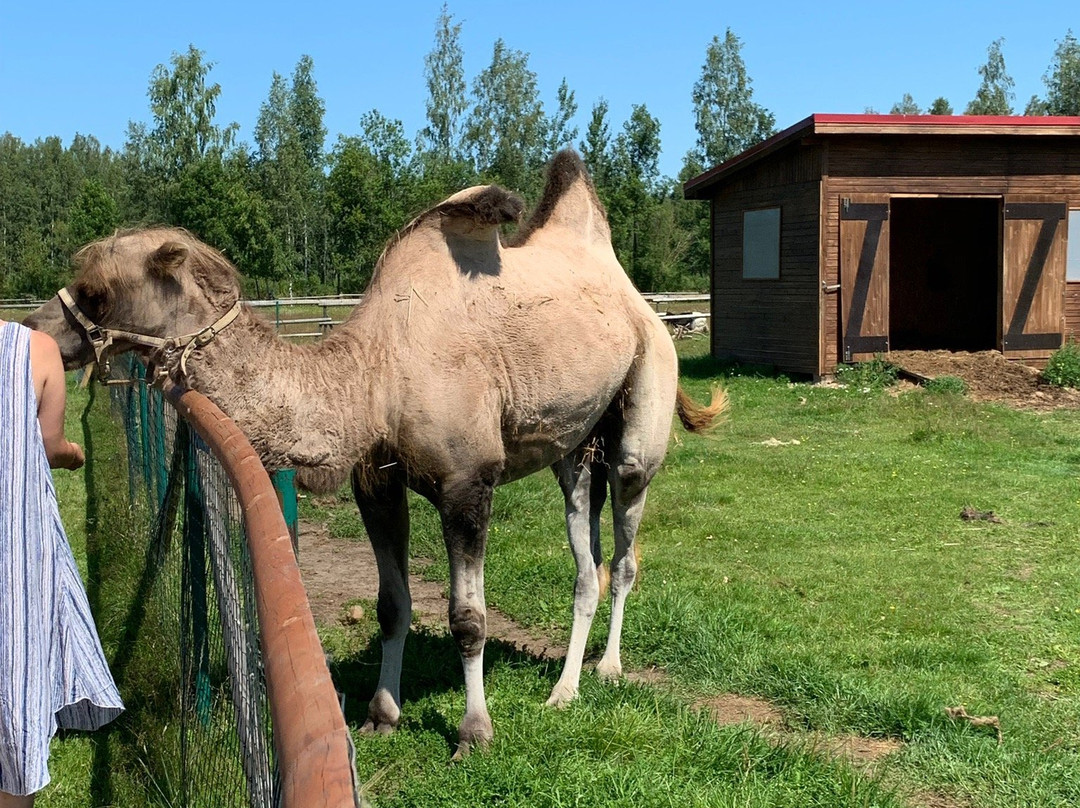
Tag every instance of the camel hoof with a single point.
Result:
(372, 728)
(465, 748)
(609, 671)
(475, 732)
(382, 716)
(561, 698)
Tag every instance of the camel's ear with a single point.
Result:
(167, 259)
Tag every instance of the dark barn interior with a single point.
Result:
(944, 271)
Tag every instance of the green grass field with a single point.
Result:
(832, 577)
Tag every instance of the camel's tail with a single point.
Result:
(603, 573)
(697, 417)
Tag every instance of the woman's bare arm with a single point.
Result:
(51, 389)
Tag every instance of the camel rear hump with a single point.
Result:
(569, 206)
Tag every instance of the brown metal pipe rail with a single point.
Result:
(310, 737)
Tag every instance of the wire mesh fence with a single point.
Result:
(182, 611)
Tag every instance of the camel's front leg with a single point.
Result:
(584, 487)
(386, 517)
(465, 508)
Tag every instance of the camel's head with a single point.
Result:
(158, 282)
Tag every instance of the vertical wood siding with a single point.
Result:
(1072, 308)
(769, 322)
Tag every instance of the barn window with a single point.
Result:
(761, 244)
(1072, 257)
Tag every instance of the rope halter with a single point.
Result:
(101, 339)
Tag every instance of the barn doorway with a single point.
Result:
(944, 274)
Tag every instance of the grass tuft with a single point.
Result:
(946, 385)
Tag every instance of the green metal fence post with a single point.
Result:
(285, 485)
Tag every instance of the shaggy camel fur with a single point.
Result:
(470, 363)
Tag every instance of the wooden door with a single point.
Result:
(864, 276)
(1033, 276)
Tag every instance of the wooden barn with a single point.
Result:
(847, 236)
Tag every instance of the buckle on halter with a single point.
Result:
(204, 337)
(95, 334)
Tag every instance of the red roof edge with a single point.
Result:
(695, 187)
(948, 120)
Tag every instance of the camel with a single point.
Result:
(472, 360)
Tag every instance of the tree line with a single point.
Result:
(300, 218)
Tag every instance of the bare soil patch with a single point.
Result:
(729, 708)
(651, 676)
(931, 799)
(857, 749)
(863, 753)
(339, 571)
(989, 376)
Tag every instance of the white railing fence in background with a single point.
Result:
(333, 311)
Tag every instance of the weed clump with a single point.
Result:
(874, 374)
(1063, 367)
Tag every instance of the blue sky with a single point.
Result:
(84, 67)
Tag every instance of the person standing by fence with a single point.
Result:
(53, 672)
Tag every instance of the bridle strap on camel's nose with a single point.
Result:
(101, 339)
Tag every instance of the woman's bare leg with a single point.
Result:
(13, 801)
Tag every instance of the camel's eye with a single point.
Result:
(94, 301)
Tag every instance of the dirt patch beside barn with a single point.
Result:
(989, 376)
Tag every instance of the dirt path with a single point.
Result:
(337, 571)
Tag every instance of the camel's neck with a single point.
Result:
(313, 407)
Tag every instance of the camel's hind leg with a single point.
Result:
(628, 490)
(386, 517)
(635, 451)
(584, 485)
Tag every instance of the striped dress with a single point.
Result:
(53, 671)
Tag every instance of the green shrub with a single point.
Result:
(1063, 369)
(874, 374)
(949, 385)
